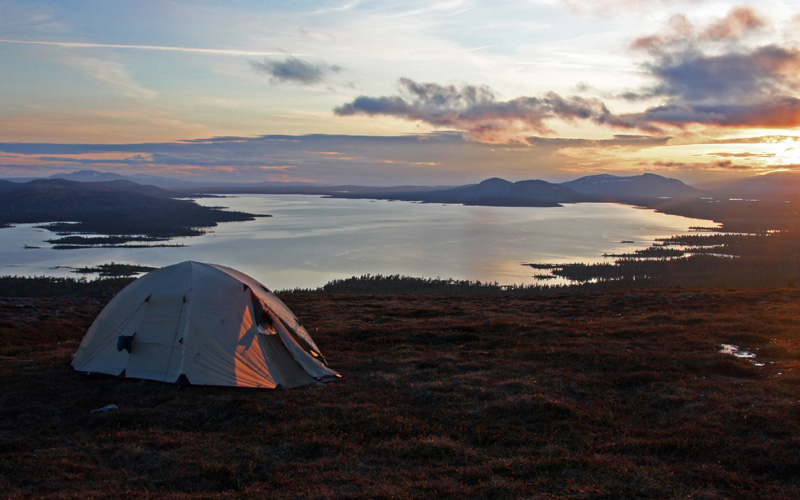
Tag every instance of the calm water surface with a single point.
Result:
(311, 240)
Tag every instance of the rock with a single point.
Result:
(105, 409)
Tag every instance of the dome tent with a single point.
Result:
(201, 324)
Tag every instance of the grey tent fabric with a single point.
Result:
(201, 324)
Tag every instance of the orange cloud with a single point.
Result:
(739, 21)
(289, 178)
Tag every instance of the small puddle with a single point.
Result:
(737, 351)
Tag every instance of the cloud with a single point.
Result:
(434, 159)
(710, 76)
(21, 16)
(619, 140)
(766, 112)
(605, 8)
(725, 165)
(693, 76)
(721, 166)
(680, 31)
(160, 48)
(133, 160)
(294, 70)
(764, 139)
(331, 159)
(477, 110)
(114, 74)
(740, 20)
(742, 155)
(703, 75)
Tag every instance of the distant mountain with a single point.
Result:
(88, 176)
(116, 185)
(532, 193)
(7, 186)
(610, 188)
(95, 176)
(151, 180)
(643, 186)
(170, 183)
(505, 193)
(777, 186)
(491, 192)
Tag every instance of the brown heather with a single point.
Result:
(619, 394)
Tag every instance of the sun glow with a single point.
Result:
(787, 151)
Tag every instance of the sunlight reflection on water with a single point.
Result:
(310, 240)
(737, 351)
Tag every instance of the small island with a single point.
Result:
(114, 270)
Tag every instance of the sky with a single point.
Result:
(401, 92)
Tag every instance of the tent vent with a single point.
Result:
(124, 343)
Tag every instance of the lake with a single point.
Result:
(310, 240)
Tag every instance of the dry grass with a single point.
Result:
(608, 395)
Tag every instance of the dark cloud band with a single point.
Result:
(478, 111)
(293, 70)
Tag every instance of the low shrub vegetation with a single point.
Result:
(615, 394)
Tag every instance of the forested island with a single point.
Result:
(121, 211)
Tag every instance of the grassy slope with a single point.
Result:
(606, 395)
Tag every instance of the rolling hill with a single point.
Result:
(638, 186)
(118, 207)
